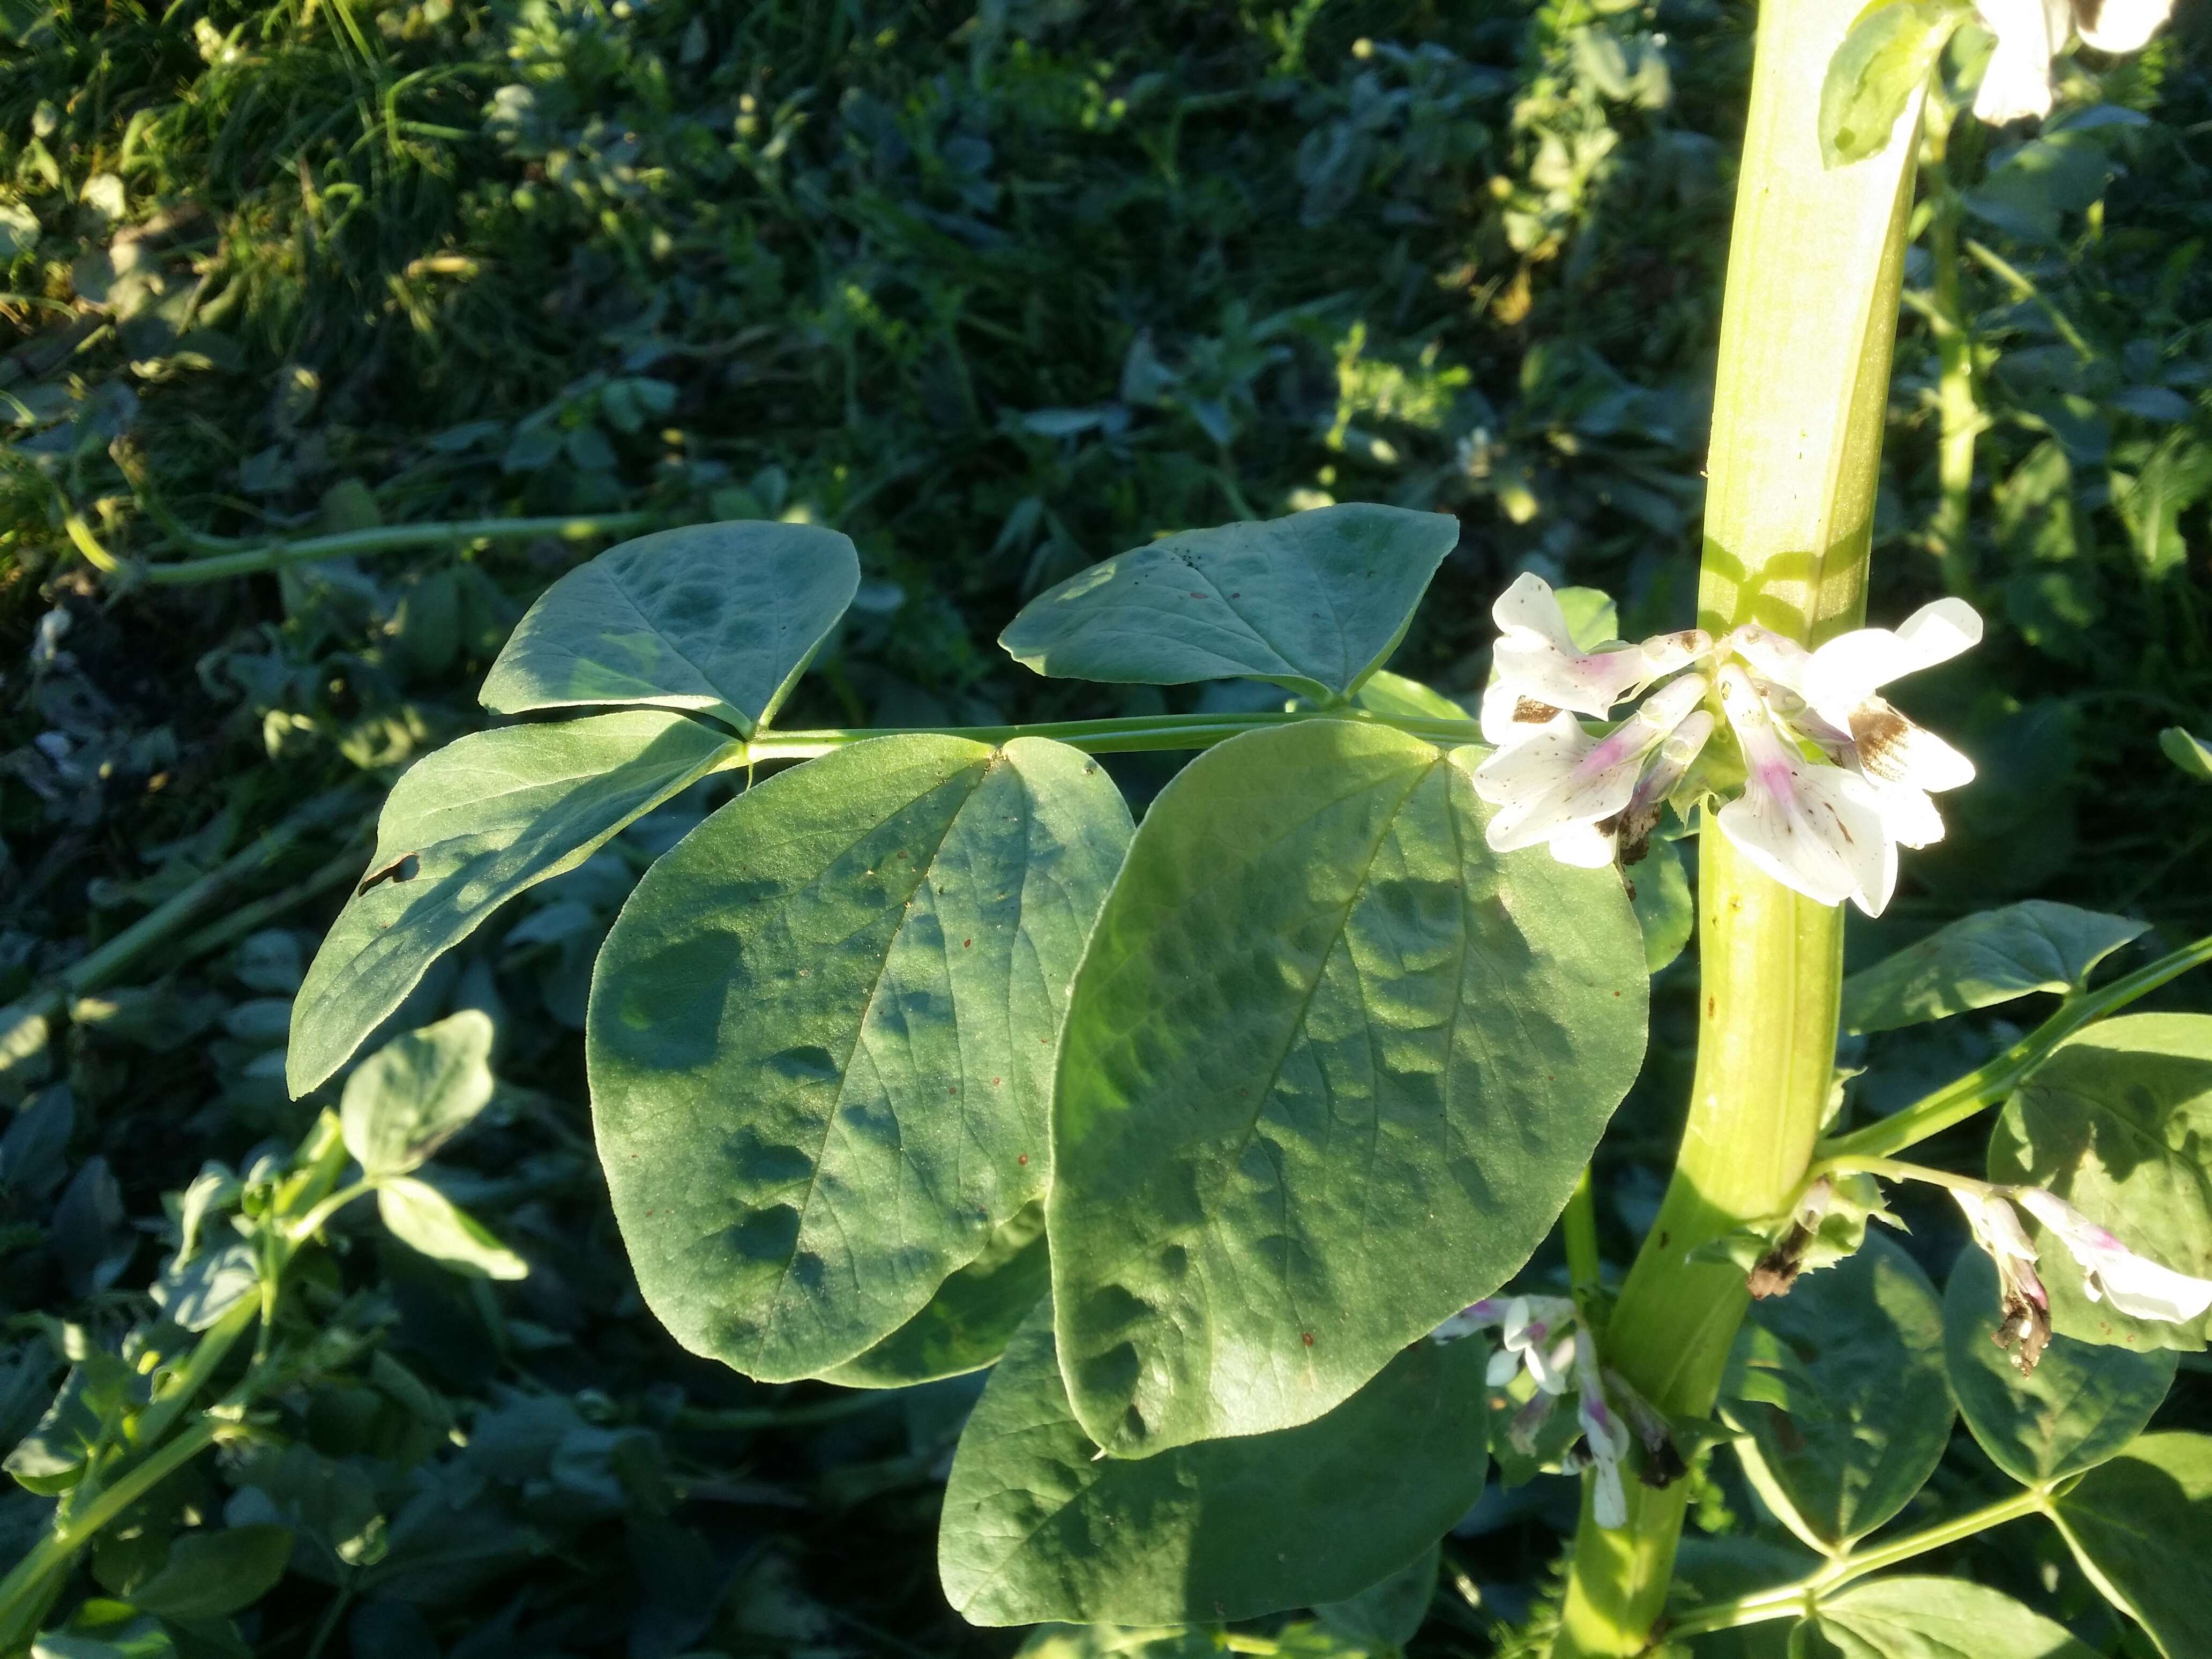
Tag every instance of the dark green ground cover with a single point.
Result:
(997, 292)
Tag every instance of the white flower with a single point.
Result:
(2025, 1328)
(1604, 1433)
(1561, 784)
(1813, 827)
(2111, 1272)
(2031, 32)
(1836, 780)
(1540, 669)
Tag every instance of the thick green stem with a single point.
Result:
(1815, 265)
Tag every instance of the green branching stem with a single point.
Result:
(220, 559)
(1990, 1085)
(1803, 1598)
(1107, 737)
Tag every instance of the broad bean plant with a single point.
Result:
(1226, 1137)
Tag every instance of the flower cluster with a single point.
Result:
(1540, 1333)
(2111, 1272)
(2017, 82)
(1835, 780)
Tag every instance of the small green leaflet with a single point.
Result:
(1331, 1069)
(1314, 602)
(1984, 959)
(421, 1216)
(2117, 1121)
(416, 1092)
(211, 1574)
(721, 618)
(1882, 62)
(2083, 1402)
(1391, 1614)
(1665, 908)
(821, 1037)
(971, 1318)
(2140, 1526)
(466, 829)
(1037, 1526)
(2188, 751)
(1930, 1618)
(1839, 1388)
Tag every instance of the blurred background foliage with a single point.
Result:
(997, 290)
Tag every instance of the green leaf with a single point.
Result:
(718, 617)
(821, 1037)
(2082, 1403)
(1313, 602)
(1984, 959)
(2188, 751)
(101, 1628)
(1934, 1618)
(195, 1293)
(464, 831)
(417, 1092)
(1839, 1388)
(1390, 1613)
(1882, 62)
(1037, 1526)
(211, 1574)
(1330, 1071)
(2140, 1526)
(420, 1215)
(968, 1324)
(2117, 1121)
(1386, 693)
(1664, 908)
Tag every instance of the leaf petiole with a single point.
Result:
(1989, 1085)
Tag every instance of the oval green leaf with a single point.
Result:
(2082, 1404)
(1934, 1618)
(2117, 1121)
(1330, 1071)
(1840, 1392)
(1037, 1526)
(213, 1574)
(417, 1092)
(2140, 1526)
(1313, 602)
(722, 619)
(1665, 908)
(424, 1219)
(1982, 960)
(463, 832)
(821, 1037)
(969, 1320)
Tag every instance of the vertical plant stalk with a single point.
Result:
(1815, 264)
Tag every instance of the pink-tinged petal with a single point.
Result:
(1608, 1502)
(1553, 787)
(2134, 1285)
(1539, 761)
(1996, 1229)
(2120, 26)
(1589, 684)
(1815, 828)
